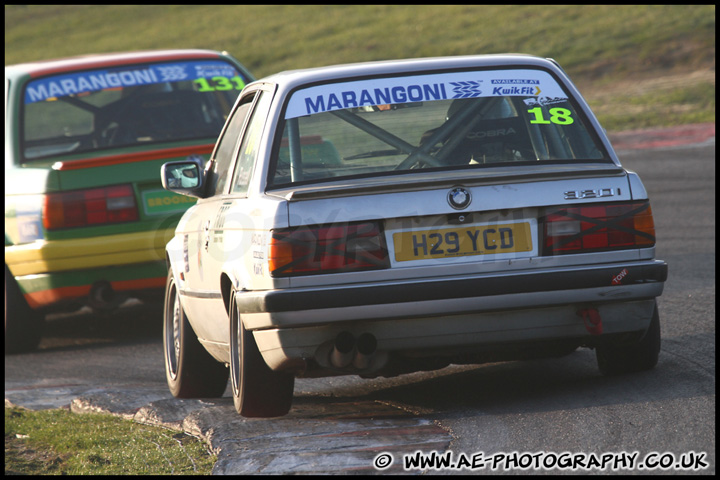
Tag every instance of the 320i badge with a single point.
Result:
(382, 218)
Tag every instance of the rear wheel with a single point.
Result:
(23, 325)
(618, 358)
(190, 370)
(258, 391)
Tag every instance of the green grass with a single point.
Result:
(600, 46)
(684, 104)
(62, 443)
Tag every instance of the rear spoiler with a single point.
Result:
(422, 180)
(134, 157)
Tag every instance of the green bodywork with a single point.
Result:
(29, 180)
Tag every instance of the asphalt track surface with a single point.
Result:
(91, 363)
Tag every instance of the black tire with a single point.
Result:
(258, 391)
(191, 372)
(617, 359)
(23, 325)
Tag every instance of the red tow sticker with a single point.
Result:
(617, 279)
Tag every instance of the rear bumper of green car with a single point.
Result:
(56, 272)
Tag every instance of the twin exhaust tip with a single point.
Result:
(349, 350)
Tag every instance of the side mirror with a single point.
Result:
(185, 177)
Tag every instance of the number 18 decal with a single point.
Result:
(559, 116)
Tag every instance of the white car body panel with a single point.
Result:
(223, 244)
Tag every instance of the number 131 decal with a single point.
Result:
(219, 83)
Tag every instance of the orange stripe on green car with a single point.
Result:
(44, 290)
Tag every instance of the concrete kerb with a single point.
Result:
(650, 138)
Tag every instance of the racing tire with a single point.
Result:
(618, 359)
(258, 391)
(191, 372)
(23, 325)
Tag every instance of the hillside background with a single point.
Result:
(637, 65)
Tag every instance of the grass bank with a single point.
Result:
(615, 53)
(57, 442)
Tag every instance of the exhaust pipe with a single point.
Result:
(102, 294)
(366, 345)
(343, 351)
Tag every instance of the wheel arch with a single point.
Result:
(226, 285)
(174, 256)
(232, 277)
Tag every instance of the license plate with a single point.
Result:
(463, 241)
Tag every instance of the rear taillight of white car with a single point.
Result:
(327, 249)
(595, 228)
(87, 208)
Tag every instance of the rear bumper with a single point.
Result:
(48, 257)
(606, 283)
(290, 326)
(51, 273)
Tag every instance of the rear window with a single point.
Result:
(458, 120)
(127, 106)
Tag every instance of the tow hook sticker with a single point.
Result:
(617, 279)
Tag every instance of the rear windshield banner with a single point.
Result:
(425, 88)
(133, 76)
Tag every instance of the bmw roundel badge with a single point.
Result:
(459, 198)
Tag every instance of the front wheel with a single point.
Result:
(619, 358)
(258, 391)
(191, 372)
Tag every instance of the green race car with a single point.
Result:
(86, 217)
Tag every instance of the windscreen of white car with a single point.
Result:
(455, 120)
(127, 106)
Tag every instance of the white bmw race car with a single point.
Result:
(388, 217)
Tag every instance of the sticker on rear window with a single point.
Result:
(207, 72)
(424, 88)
